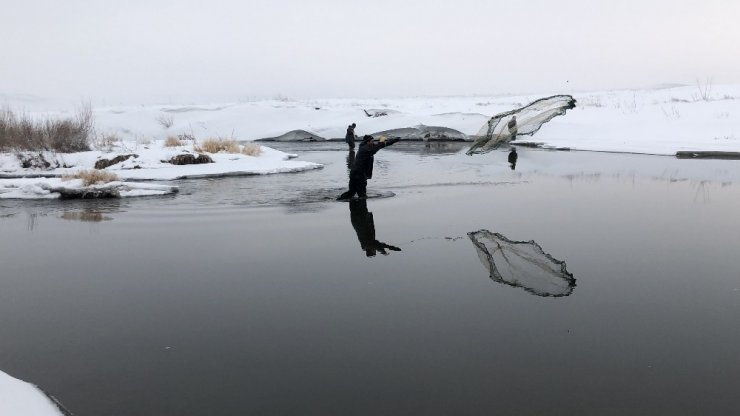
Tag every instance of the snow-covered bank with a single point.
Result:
(147, 162)
(655, 121)
(663, 121)
(20, 398)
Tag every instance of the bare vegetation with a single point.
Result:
(217, 145)
(186, 137)
(173, 141)
(281, 97)
(672, 114)
(92, 176)
(591, 101)
(166, 120)
(22, 133)
(704, 90)
(252, 149)
(106, 141)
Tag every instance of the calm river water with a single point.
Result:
(261, 296)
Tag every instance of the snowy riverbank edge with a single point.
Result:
(20, 398)
(146, 164)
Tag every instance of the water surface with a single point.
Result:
(256, 295)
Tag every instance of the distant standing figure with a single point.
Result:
(512, 127)
(351, 136)
(512, 158)
(362, 169)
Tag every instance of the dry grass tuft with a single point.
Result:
(92, 176)
(165, 120)
(172, 141)
(106, 141)
(252, 149)
(21, 132)
(217, 145)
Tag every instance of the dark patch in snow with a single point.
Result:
(104, 163)
(189, 159)
(294, 136)
(708, 155)
(424, 133)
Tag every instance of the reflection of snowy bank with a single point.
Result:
(57, 188)
(20, 398)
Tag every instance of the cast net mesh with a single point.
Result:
(522, 264)
(504, 127)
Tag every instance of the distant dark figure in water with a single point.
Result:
(362, 222)
(512, 158)
(513, 128)
(350, 137)
(362, 169)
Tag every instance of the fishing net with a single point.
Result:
(522, 264)
(505, 127)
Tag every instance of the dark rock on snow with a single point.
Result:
(190, 159)
(104, 163)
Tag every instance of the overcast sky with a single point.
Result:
(368, 48)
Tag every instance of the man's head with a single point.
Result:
(367, 139)
(353, 125)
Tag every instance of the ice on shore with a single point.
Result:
(20, 398)
(147, 164)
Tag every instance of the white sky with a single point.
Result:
(367, 48)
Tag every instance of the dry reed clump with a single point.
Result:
(92, 176)
(217, 145)
(165, 120)
(173, 141)
(106, 141)
(21, 132)
(252, 149)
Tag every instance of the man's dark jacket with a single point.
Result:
(365, 156)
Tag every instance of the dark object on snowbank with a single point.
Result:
(529, 119)
(104, 163)
(62, 135)
(424, 133)
(708, 155)
(412, 134)
(375, 113)
(33, 161)
(87, 193)
(189, 159)
(294, 136)
(111, 190)
(522, 264)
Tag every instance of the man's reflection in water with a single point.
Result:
(364, 226)
(512, 158)
(350, 160)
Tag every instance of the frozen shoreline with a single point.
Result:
(147, 163)
(677, 121)
(20, 398)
